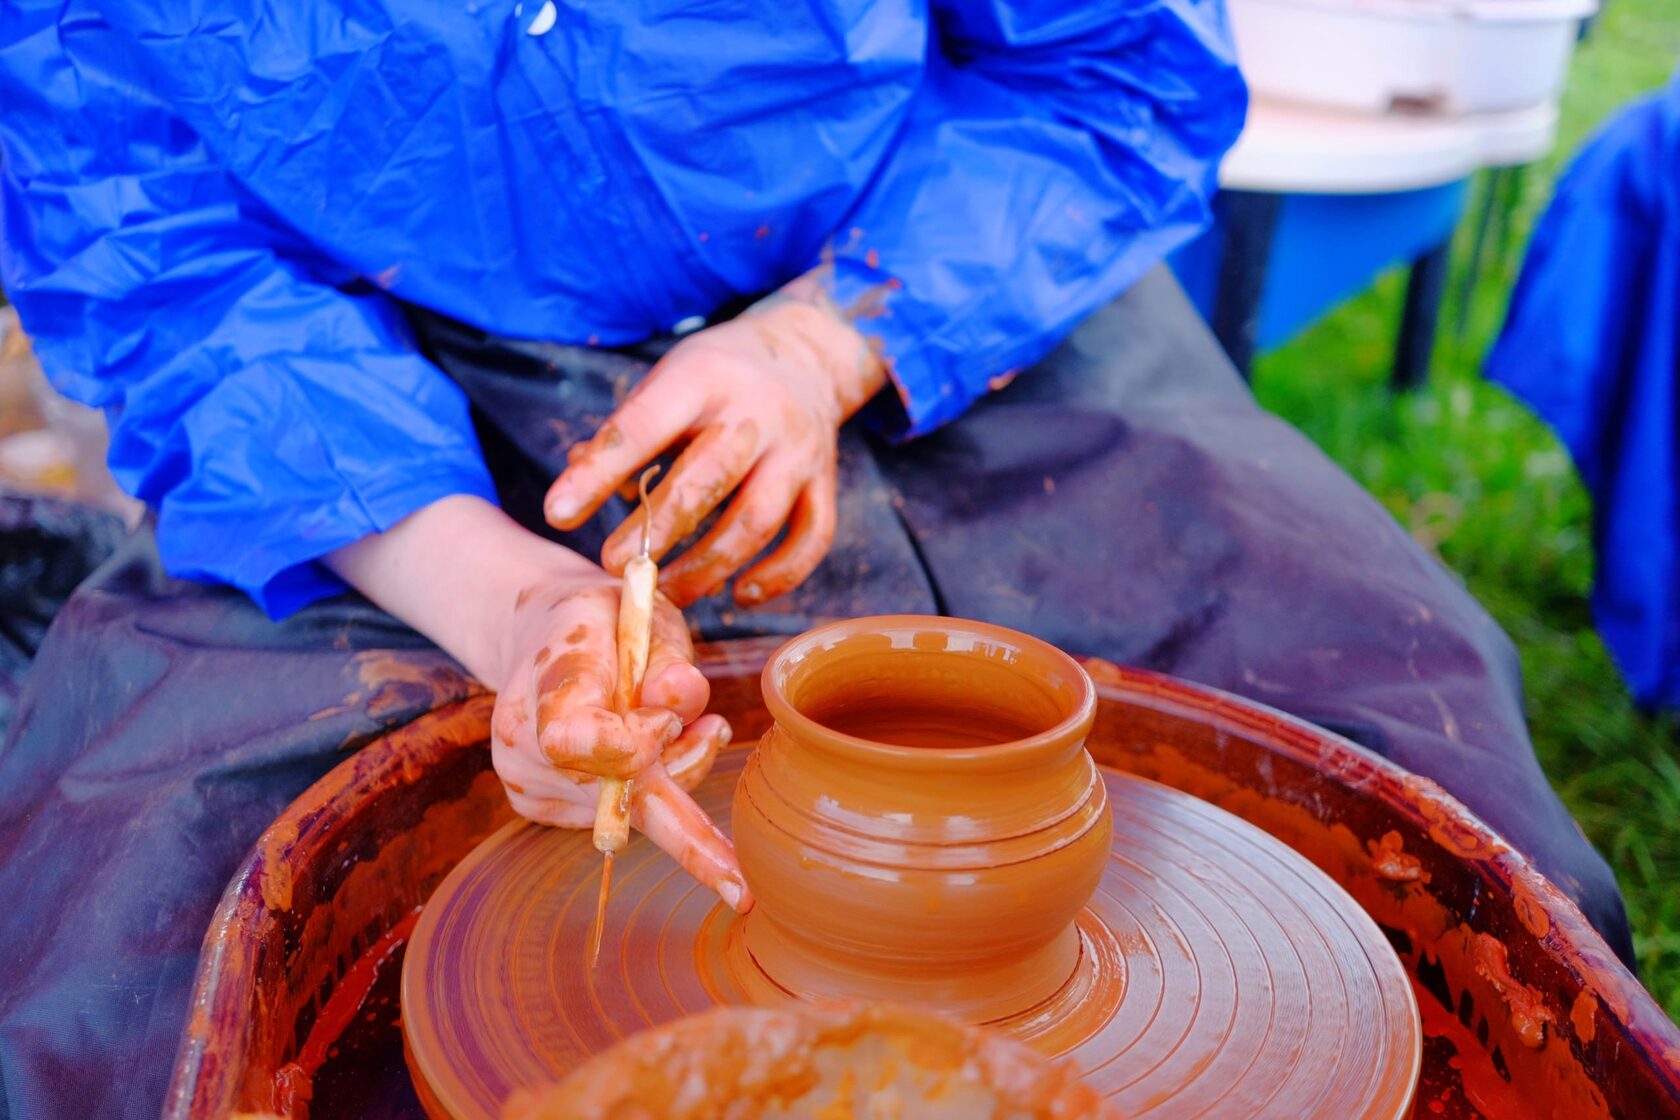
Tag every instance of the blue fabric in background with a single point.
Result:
(212, 208)
(1592, 342)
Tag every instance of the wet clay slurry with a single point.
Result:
(941, 860)
(1253, 986)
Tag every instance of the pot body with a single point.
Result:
(922, 822)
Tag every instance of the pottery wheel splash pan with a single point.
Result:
(1235, 979)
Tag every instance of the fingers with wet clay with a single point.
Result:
(670, 818)
(651, 420)
(690, 757)
(707, 472)
(671, 680)
(749, 524)
(810, 533)
(576, 727)
(552, 811)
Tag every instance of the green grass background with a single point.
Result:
(1477, 478)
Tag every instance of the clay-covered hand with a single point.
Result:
(759, 400)
(554, 731)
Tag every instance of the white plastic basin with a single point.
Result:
(1455, 56)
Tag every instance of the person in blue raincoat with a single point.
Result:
(1592, 342)
(208, 218)
(396, 296)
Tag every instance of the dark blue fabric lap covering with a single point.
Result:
(1124, 498)
(1592, 342)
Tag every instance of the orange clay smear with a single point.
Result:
(1529, 1015)
(821, 1063)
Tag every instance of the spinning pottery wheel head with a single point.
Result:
(1191, 965)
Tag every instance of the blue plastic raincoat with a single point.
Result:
(212, 208)
(1592, 342)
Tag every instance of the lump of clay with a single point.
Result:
(843, 1062)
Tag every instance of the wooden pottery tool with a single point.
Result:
(635, 634)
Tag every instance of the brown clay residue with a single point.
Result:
(1392, 863)
(1432, 925)
(566, 670)
(1529, 1014)
(1455, 832)
(1529, 910)
(1616, 1000)
(264, 969)
(276, 864)
(1104, 672)
(293, 1088)
(198, 1026)
(1583, 1016)
(1492, 1096)
(393, 682)
(871, 303)
(294, 1082)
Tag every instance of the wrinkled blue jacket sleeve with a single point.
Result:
(1053, 155)
(268, 406)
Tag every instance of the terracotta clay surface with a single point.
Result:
(1234, 978)
(845, 1062)
(922, 823)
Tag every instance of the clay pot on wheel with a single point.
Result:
(922, 823)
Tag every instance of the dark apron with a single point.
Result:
(1125, 498)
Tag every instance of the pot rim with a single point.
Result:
(1072, 728)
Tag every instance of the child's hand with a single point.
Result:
(759, 400)
(539, 624)
(554, 731)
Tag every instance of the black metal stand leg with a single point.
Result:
(1250, 220)
(1489, 184)
(1424, 289)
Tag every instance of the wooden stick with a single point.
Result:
(635, 635)
(635, 632)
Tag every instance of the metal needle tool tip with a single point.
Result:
(647, 509)
(600, 925)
